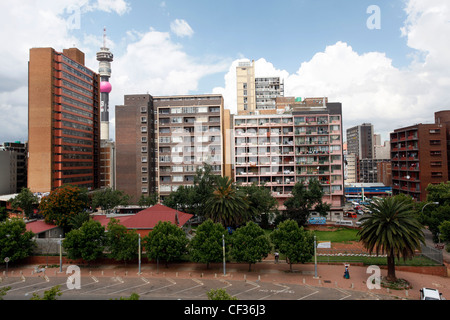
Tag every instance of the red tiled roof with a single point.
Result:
(39, 226)
(149, 218)
(104, 220)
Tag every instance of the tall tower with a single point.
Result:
(105, 57)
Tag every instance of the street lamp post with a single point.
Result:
(60, 253)
(223, 248)
(315, 258)
(436, 203)
(139, 253)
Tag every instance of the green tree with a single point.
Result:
(148, 201)
(3, 292)
(206, 245)
(192, 199)
(85, 243)
(166, 241)
(250, 244)
(184, 199)
(262, 204)
(15, 241)
(62, 204)
(293, 241)
(26, 201)
(219, 294)
(305, 198)
(121, 243)
(3, 214)
(77, 220)
(391, 229)
(444, 229)
(50, 294)
(107, 199)
(226, 205)
(433, 215)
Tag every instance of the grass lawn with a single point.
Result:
(340, 235)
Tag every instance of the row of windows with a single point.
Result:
(76, 118)
(77, 73)
(77, 65)
(77, 103)
(77, 88)
(77, 80)
(77, 95)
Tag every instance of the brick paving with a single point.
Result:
(267, 271)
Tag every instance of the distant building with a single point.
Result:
(63, 120)
(419, 156)
(162, 141)
(8, 172)
(279, 149)
(256, 95)
(21, 149)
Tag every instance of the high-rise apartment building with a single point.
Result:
(245, 87)
(419, 156)
(63, 120)
(267, 90)
(278, 150)
(256, 95)
(162, 141)
(21, 148)
(360, 141)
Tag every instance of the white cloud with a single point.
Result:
(370, 88)
(181, 28)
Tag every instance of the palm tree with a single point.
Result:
(226, 205)
(392, 229)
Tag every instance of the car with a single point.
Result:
(430, 294)
(351, 214)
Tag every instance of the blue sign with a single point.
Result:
(318, 220)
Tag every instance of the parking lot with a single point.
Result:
(172, 288)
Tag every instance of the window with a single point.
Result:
(143, 129)
(177, 179)
(144, 119)
(144, 159)
(143, 139)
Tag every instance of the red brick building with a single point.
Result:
(419, 156)
(63, 120)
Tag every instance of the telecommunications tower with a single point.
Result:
(105, 57)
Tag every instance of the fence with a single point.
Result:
(48, 246)
(432, 254)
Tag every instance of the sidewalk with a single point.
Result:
(330, 276)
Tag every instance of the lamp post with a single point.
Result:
(139, 253)
(223, 248)
(436, 203)
(60, 253)
(315, 258)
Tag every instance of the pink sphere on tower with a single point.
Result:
(105, 87)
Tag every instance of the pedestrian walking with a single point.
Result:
(277, 256)
(346, 272)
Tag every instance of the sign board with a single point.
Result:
(324, 244)
(318, 220)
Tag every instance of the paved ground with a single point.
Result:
(266, 281)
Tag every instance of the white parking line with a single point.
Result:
(137, 286)
(37, 290)
(112, 285)
(308, 295)
(200, 284)
(23, 287)
(344, 292)
(276, 292)
(169, 285)
(252, 283)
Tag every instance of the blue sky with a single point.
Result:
(395, 76)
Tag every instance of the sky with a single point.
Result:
(387, 62)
